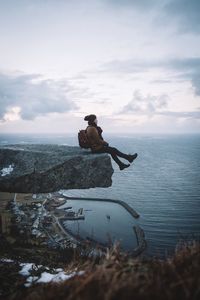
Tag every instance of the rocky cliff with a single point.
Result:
(40, 168)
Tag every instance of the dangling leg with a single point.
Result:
(112, 152)
(128, 157)
(119, 162)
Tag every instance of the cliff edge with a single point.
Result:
(41, 168)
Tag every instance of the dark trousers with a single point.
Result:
(114, 152)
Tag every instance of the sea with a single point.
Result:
(162, 185)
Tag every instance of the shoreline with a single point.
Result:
(41, 205)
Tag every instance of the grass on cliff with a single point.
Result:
(118, 276)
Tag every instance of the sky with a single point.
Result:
(133, 63)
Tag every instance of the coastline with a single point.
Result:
(48, 217)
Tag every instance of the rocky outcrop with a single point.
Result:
(40, 168)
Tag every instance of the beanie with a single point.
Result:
(90, 118)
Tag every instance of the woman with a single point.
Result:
(98, 145)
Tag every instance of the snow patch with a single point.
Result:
(6, 260)
(45, 277)
(25, 271)
(7, 171)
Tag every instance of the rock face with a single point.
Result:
(41, 168)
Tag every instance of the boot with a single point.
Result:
(132, 157)
(122, 166)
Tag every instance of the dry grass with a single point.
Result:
(118, 276)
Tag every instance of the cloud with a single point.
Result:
(184, 68)
(186, 13)
(190, 70)
(138, 4)
(124, 66)
(181, 114)
(137, 66)
(30, 96)
(196, 83)
(145, 105)
(151, 105)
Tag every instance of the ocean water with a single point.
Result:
(162, 185)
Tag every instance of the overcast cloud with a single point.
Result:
(186, 13)
(148, 105)
(124, 57)
(151, 105)
(33, 96)
(183, 13)
(184, 68)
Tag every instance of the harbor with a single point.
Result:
(57, 221)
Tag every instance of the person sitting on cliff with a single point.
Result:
(99, 145)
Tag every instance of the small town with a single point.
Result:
(38, 219)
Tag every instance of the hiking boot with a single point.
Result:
(123, 166)
(132, 157)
